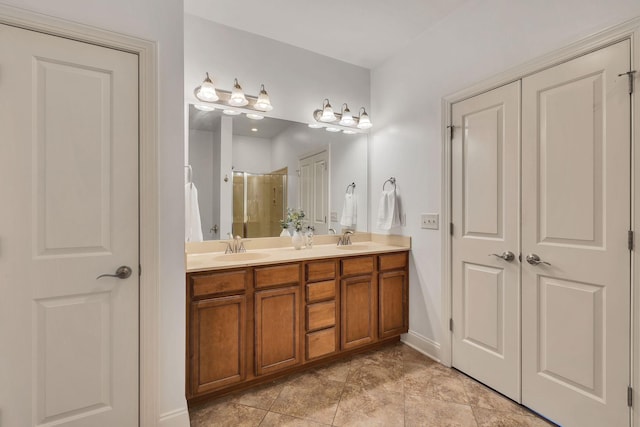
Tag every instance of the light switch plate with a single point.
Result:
(334, 216)
(430, 221)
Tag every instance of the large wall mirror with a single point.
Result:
(249, 172)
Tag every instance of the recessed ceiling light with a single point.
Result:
(315, 125)
(231, 112)
(254, 116)
(254, 129)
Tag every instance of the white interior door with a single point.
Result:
(69, 191)
(575, 216)
(485, 207)
(314, 190)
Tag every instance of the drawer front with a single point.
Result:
(216, 283)
(320, 271)
(321, 315)
(321, 291)
(321, 343)
(277, 275)
(357, 265)
(393, 261)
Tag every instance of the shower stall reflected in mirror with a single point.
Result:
(259, 203)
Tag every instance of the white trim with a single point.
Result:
(177, 418)
(422, 344)
(149, 286)
(627, 30)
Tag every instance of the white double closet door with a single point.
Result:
(541, 169)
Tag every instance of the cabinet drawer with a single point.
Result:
(359, 265)
(393, 261)
(321, 343)
(216, 283)
(321, 315)
(320, 271)
(277, 275)
(321, 291)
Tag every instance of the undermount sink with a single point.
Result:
(355, 247)
(243, 256)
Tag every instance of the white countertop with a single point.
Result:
(216, 260)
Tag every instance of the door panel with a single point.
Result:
(485, 200)
(575, 216)
(68, 166)
(314, 190)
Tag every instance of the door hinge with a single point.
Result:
(630, 397)
(451, 324)
(450, 127)
(629, 74)
(451, 228)
(630, 239)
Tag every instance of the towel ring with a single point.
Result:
(351, 186)
(392, 180)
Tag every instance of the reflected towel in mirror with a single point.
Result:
(193, 226)
(349, 211)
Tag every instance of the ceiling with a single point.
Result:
(210, 121)
(360, 32)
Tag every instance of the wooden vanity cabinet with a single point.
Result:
(277, 318)
(216, 328)
(358, 291)
(249, 325)
(393, 294)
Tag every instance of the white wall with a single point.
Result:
(251, 154)
(479, 40)
(160, 21)
(348, 163)
(297, 80)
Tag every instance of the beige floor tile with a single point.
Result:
(493, 418)
(261, 397)
(481, 396)
(273, 419)
(436, 382)
(377, 375)
(336, 371)
(226, 413)
(310, 397)
(365, 406)
(432, 412)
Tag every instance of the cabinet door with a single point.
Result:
(393, 315)
(217, 353)
(358, 302)
(277, 329)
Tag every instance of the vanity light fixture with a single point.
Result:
(347, 117)
(237, 95)
(253, 116)
(212, 98)
(343, 118)
(207, 91)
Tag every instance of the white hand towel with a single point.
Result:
(349, 211)
(388, 210)
(193, 226)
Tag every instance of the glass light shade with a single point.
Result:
(237, 96)
(230, 112)
(207, 91)
(331, 129)
(315, 125)
(347, 117)
(364, 122)
(203, 107)
(254, 116)
(263, 103)
(327, 112)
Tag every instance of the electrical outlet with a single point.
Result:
(334, 216)
(430, 221)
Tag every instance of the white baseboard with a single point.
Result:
(177, 418)
(422, 344)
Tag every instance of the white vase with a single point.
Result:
(297, 240)
(285, 233)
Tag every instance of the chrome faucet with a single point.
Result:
(234, 245)
(345, 239)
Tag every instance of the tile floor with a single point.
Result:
(392, 386)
